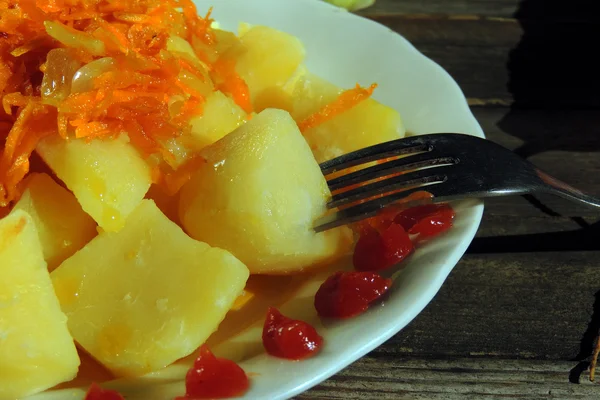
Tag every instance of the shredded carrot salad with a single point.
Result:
(96, 68)
(93, 69)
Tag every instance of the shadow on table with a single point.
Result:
(588, 341)
(584, 239)
(554, 78)
(555, 70)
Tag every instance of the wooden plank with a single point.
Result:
(548, 10)
(473, 51)
(538, 63)
(452, 379)
(495, 8)
(458, 30)
(529, 305)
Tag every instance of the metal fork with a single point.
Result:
(449, 166)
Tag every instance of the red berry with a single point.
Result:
(433, 224)
(409, 217)
(284, 337)
(380, 249)
(346, 294)
(214, 378)
(95, 392)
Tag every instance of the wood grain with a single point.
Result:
(452, 379)
(532, 62)
(494, 8)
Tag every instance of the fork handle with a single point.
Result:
(560, 188)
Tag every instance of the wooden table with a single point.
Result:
(518, 316)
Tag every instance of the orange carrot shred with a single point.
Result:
(230, 82)
(130, 81)
(344, 102)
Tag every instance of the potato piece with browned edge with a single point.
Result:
(141, 298)
(258, 195)
(109, 178)
(63, 227)
(36, 350)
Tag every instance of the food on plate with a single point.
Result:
(265, 59)
(36, 349)
(143, 297)
(426, 221)
(214, 378)
(220, 116)
(151, 163)
(288, 338)
(62, 226)
(266, 189)
(346, 294)
(381, 247)
(95, 392)
(327, 132)
(108, 177)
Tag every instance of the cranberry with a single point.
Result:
(426, 221)
(214, 378)
(378, 249)
(346, 294)
(284, 337)
(95, 392)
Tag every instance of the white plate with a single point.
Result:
(344, 49)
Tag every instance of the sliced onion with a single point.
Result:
(59, 71)
(83, 79)
(75, 39)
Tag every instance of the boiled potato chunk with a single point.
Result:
(167, 204)
(266, 58)
(143, 297)
(36, 349)
(108, 177)
(63, 227)
(366, 124)
(220, 116)
(258, 195)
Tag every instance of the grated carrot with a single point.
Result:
(132, 93)
(230, 82)
(344, 102)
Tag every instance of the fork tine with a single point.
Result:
(404, 146)
(393, 184)
(369, 209)
(429, 159)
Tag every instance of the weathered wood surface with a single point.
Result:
(518, 316)
(494, 8)
(536, 52)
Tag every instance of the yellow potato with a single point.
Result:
(220, 116)
(258, 195)
(168, 205)
(266, 58)
(143, 297)
(109, 178)
(63, 227)
(36, 349)
(366, 124)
